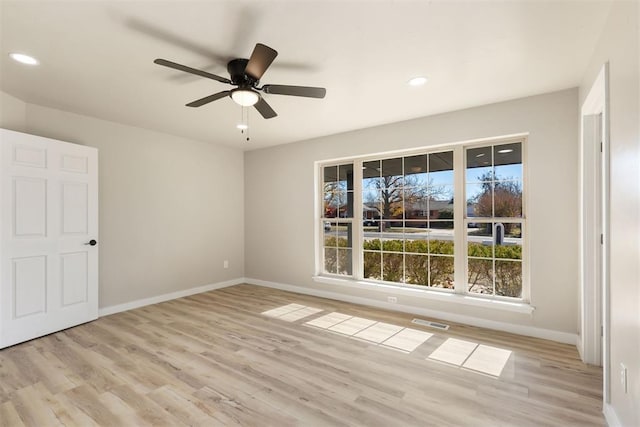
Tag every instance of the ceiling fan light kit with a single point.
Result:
(246, 74)
(245, 97)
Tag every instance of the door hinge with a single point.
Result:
(602, 239)
(601, 330)
(601, 147)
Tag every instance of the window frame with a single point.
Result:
(525, 293)
(460, 223)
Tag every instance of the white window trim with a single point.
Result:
(427, 294)
(459, 294)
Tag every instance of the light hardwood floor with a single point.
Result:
(214, 360)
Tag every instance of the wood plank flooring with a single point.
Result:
(214, 360)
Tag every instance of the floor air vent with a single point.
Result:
(430, 324)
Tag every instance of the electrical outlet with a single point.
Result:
(225, 264)
(392, 299)
(623, 378)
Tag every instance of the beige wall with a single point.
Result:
(171, 209)
(13, 113)
(619, 45)
(279, 201)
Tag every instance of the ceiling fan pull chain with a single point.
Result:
(247, 125)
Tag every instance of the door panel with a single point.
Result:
(29, 279)
(49, 211)
(30, 156)
(76, 164)
(74, 208)
(30, 207)
(74, 272)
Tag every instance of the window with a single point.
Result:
(337, 218)
(450, 220)
(410, 200)
(494, 219)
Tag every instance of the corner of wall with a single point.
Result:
(13, 113)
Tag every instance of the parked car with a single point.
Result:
(327, 226)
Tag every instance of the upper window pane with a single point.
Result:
(480, 199)
(508, 162)
(338, 191)
(371, 185)
(391, 193)
(331, 201)
(371, 169)
(441, 168)
(392, 173)
(494, 181)
(507, 199)
(416, 203)
(345, 177)
(441, 202)
(415, 171)
(330, 174)
(479, 164)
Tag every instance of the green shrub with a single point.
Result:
(417, 246)
(502, 251)
(423, 264)
(372, 265)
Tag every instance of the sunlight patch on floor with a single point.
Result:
(292, 312)
(408, 339)
(300, 314)
(328, 320)
(469, 355)
(352, 326)
(279, 311)
(380, 333)
(453, 351)
(488, 360)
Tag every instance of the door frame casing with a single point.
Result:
(594, 227)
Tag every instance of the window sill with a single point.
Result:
(518, 307)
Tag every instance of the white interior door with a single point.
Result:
(48, 220)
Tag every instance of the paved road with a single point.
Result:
(433, 235)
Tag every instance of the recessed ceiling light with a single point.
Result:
(242, 126)
(480, 155)
(505, 151)
(24, 59)
(417, 81)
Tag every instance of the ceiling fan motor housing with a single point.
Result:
(236, 68)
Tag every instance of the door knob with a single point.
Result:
(91, 242)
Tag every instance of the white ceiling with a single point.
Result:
(97, 59)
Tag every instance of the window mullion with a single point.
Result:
(358, 232)
(459, 223)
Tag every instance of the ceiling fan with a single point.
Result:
(246, 74)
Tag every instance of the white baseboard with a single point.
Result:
(105, 311)
(559, 336)
(610, 416)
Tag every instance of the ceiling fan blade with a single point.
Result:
(306, 91)
(207, 99)
(265, 109)
(191, 70)
(260, 60)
